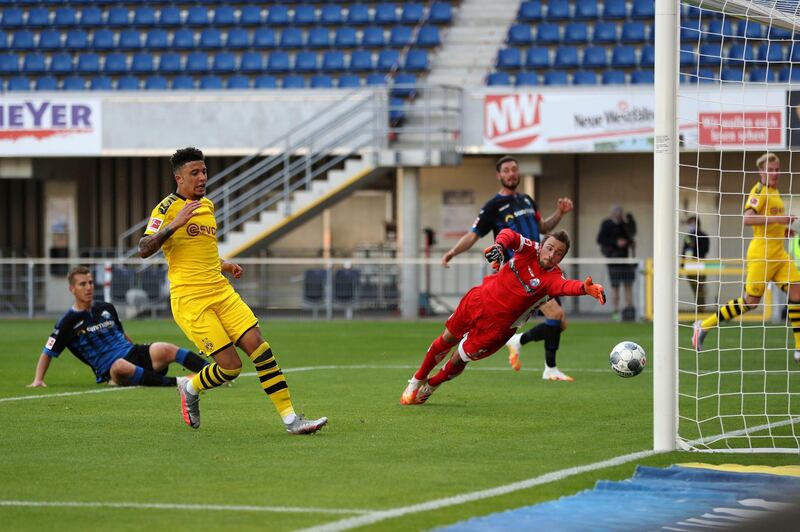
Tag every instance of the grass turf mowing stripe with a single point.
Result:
(188, 507)
(375, 517)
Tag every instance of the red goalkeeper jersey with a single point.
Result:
(514, 291)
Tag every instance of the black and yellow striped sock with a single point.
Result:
(793, 311)
(732, 309)
(212, 376)
(272, 379)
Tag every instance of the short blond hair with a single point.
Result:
(768, 157)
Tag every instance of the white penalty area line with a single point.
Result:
(187, 507)
(66, 394)
(383, 515)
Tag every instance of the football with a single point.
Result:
(627, 359)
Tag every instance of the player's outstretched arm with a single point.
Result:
(594, 290)
(563, 206)
(41, 370)
(231, 268)
(463, 244)
(149, 244)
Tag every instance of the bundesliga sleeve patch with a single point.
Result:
(50, 343)
(155, 224)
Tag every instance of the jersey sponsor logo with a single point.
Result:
(512, 120)
(754, 201)
(196, 229)
(99, 327)
(164, 205)
(50, 343)
(77, 325)
(504, 207)
(154, 225)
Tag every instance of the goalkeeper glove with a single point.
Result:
(595, 290)
(495, 256)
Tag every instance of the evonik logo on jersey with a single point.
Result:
(512, 121)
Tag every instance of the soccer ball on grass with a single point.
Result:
(627, 359)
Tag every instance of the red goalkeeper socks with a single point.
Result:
(436, 353)
(448, 372)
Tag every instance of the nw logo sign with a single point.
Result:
(512, 121)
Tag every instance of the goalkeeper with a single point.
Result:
(489, 314)
(767, 259)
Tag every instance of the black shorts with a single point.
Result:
(139, 355)
(621, 274)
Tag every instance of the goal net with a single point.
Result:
(736, 101)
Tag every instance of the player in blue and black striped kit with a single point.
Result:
(93, 333)
(512, 210)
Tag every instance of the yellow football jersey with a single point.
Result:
(191, 252)
(766, 201)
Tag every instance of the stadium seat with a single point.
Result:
(251, 62)
(333, 61)
(304, 15)
(584, 77)
(705, 75)
(183, 39)
(129, 40)
(13, 17)
(38, 17)
(18, 84)
(530, 11)
(197, 16)
(385, 14)
(115, 63)
(237, 82)
(211, 82)
(182, 82)
(416, 61)
(50, 40)
(293, 81)
(278, 16)
(642, 77)
(777, 33)
(527, 79)
(265, 81)
(237, 39)
(690, 30)
(291, 38)
(440, 13)
(613, 77)
(278, 63)
(558, 10)
(763, 75)
(250, 16)
(318, 38)
(647, 56)
(321, 81)
(387, 60)
(710, 54)
(789, 74)
(156, 39)
(348, 81)
(404, 86)
(331, 15)
(604, 33)
(9, 64)
(23, 40)
(375, 80)
(614, 9)
(358, 15)
(594, 57)
(566, 57)
(101, 83)
(688, 56)
(46, 83)
(170, 63)
(740, 53)
(372, 37)
(345, 37)
(118, 17)
(732, 74)
(412, 13)
(428, 37)
(586, 10)
(519, 35)
(224, 16)
(264, 39)
(306, 62)
(576, 33)
(156, 82)
(623, 57)
(537, 57)
(643, 9)
(91, 17)
(224, 63)
(73, 83)
(771, 52)
(749, 29)
(794, 54)
(396, 117)
(361, 61)
(60, 63)
(548, 33)
(717, 29)
(196, 62)
(496, 79)
(88, 63)
(210, 39)
(144, 16)
(633, 32)
(509, 59)
(555, 77)
(170, 17)
(399, 36)
(34, 64)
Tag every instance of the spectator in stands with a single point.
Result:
(616, 240)
(93, 333)
(695, 246)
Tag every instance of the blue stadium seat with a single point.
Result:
(264, 39)
(210, 39)
(333, 61)
(633, 32)
(331, 15)
(613, 77)
(385, 14)
(144, 16)
(690, 29)
(156, 83)
(558, 10)
(224, 63)
(642, 77)
(586, 10)
(614, 9)
(576, 33)
(566, 57)
(717, 29)
(776, 33)
(60, 63)
(643, 9)
(526, 79)
(710, 54)
(348, 81)
(293, 81)
(372, 37)
(375, 80)
(703, 75)
(763, 75)
(9, 64)
(623, 57)
(537, 57)
(428, 37)
(548, 33)
(197, 16)
(345, 37)
(250, 16)
(13, 17)
(416, 61)
(399, 36)
(101, 83)
(46, 83)
(129, 40)
(304, 15)
(732, 74)
(156, 39)
(318, 38)
(749, 29)
(509, 59)
(584, 77)
(789, 74)
(361, 61)
(556, 77)
(387, 60)
(498, 79)
(91, 17)
(115, 63)
(170, 63)
(530, 11)
(278, 16)
(404, 86)
(117, 17)
(51, 40)
(73, 83)
(170, 17)
(688, 56)
(321, 81)
(594, 57)
(358, 15)
(237, 39)
(211, 82)
(38, 17)
(76, 40)
(412, 13)
(278, 63)
(237, 82)
(251, 62)
(224, 16)
(440, 13)
(88, 63)
(647, 56)
(772, 52)
(34, 64)
(23, 40)
(740, 53)
(519, 35)
(4, 40)
(604, 33)
(18, 84)
(397, 116)
(196, 62)
(265, 81)
(182, 82)
(794, 53)
(305, 62)
(291, 38)
(183, 39)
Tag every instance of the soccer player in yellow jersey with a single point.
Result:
(204, 304)
(767, 259)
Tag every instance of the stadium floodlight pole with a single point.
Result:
(665, 249)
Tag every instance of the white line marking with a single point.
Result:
(189, 507)
(67, 394)
(383, 515)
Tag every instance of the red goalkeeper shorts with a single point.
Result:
(485, 332)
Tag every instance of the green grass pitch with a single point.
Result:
(491, 427)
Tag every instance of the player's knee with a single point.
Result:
(120, 371)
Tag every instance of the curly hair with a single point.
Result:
(183, 156)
